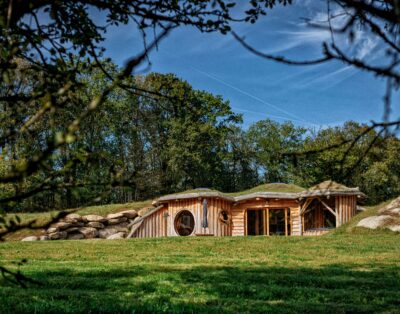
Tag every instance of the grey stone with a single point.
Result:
(130, 213)
(95, 224)
(73, 217)
(30, 238)
(106, 232)
(395, 228)
(96, 218)
(58, 235)
(71, 230)
(116, 221)
(374, 222)
(116, 236)
(62, 225)
(75, 236)
(52, 230)
(114, 216)
(88, 232)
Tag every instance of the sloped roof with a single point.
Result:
(330, 188)
(195, 194)
(270, 190)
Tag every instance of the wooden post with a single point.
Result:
(257, 224)
(264, 229)
(267, 221)
(286, 223)
(245, 222)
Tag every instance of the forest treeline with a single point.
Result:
(172, 137)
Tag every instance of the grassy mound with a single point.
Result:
(43, 218)
(271, 187)
(351, 226)
(268, 187)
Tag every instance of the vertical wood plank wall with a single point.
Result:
(153, 225)
(238, 221)
(346, 207)
(195, 206)
(295, 221)
(161, 223)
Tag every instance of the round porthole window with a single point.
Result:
(184, 223)
(224, 217)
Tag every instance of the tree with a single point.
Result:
(50, 42)
(377, 19)
(45, 47)
(374, 167)
(270, 140)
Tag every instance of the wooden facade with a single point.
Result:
(265, 214)
(154, 225)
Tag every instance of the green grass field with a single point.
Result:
(336, 273)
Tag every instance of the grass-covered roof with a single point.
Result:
(329, 185)
(270, 187)
(275, 190)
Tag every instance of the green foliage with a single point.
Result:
(370, 163)
(270, 141)
(333, 274)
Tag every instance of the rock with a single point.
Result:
(106, 232)
(395, 228)
(114, 216)
(62, 225)
(44, 238)
(395, 211)
(95, 218)
(58, 235)
(95, 224)
(73, 217)
(78, 224)
(88, 232)
(119, 235)
(121, 228)
(116, 221)
(72, 230)
(75, 236)
(30, 238)
(130, 213)
(374, 222)
(392, 205)
(52, 230)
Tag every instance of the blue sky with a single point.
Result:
(313, 96)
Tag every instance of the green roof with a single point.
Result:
(268, 187)
(329, 185)
(271, 187)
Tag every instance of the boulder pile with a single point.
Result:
(76, 227)
(388, 217)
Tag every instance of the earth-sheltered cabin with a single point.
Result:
(269, 209)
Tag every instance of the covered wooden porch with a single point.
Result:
(320, 214)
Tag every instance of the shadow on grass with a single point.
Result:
(255, 289)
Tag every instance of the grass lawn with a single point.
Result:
(335, 273)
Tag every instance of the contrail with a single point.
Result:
(267, 114)
(252, 96)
